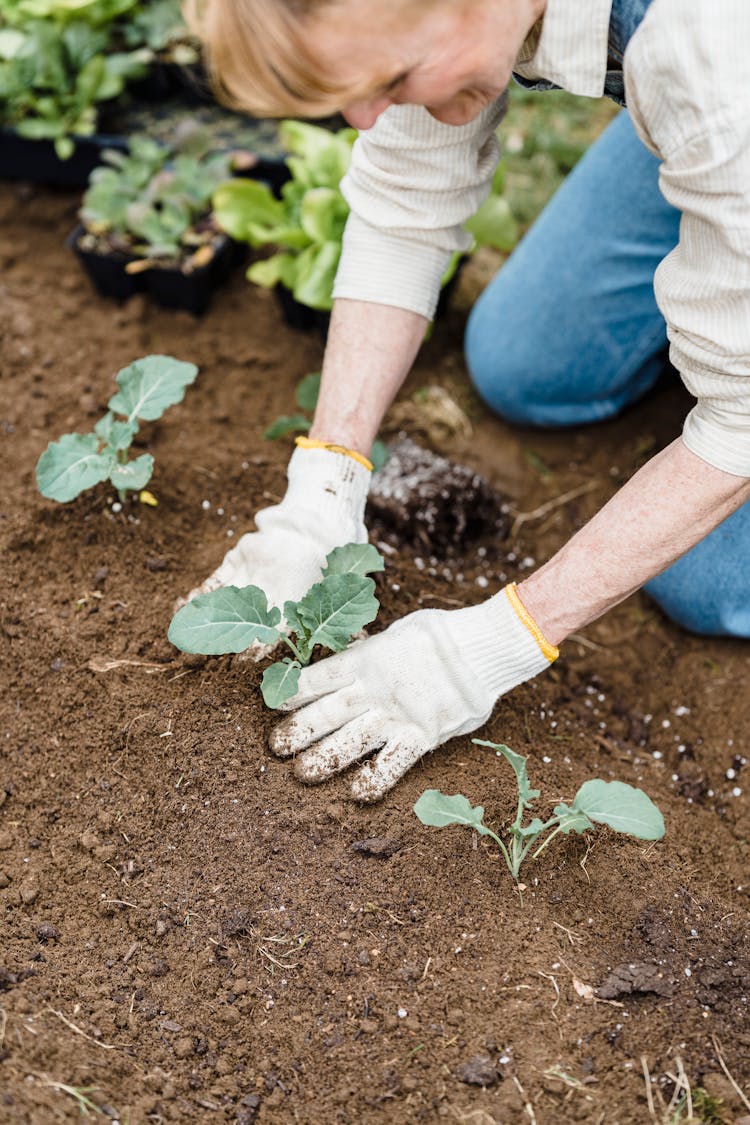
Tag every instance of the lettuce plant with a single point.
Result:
(79, 461)
(306, 223)
(332, 611)
(53, 74)
(620, 806)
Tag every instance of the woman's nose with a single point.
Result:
(364, 114)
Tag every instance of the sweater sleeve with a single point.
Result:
(687, 73)
(412, 184)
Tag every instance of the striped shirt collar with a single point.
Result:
(568, 46)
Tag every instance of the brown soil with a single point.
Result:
(194, 935)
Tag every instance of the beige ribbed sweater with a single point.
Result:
(414, 182)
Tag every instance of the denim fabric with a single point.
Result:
(569, 332)
(624, 20)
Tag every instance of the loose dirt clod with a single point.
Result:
(428, 500)
(635, 976)
(380, 846)
(479, 1070)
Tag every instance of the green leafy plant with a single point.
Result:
(79, 461)
(494, 223)
(620, 806)
(155, 201)
(307, 222)
(159, 25)
(53, 74)
(329, 614)
(306, 395)
(96, 13)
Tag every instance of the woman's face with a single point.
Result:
(452, 56)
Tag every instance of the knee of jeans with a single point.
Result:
(701, 609)
(504, 364)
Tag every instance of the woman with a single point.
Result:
(424, 80)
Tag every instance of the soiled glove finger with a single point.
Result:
(314, 722)
(339, 751)
(320, 679)
(373, 781)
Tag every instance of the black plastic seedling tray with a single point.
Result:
(171, 288)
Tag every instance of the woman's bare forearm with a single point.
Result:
(670, 504)
(369, 354)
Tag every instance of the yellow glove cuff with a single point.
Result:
(550, 651)
(310, 443)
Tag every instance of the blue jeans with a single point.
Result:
(569, 332)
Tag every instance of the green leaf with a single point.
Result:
(316, 271)
(132, 474)
(378, 455)
(354, 558)
(335, 609)
(292, 620)
(494, 224)
(621, 807)
(308, 390)
(280, 682)
(532, 829)
(269, 272)
(525, 793)
(571, 820)
(226, 620)
(116, 434)
(323, 214)
(287, 424)
(149, 385)
(239, 202)
(64, 147)
(438, 810)
(71, 465)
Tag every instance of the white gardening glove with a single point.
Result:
(323, 508)
(431, 676)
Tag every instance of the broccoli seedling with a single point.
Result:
(79, 461)
(306, 395)
(329, 614)
(620, 806)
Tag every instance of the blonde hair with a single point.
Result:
(258, 60)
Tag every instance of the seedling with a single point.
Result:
(79, 461)
(154, 201)
(306, 395)
(329, 614)
(620, 806)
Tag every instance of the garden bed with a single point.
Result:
(196, 937)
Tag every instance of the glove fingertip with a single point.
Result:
(369, 786)
(310, 770)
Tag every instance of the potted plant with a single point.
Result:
(54, 73)
(146, 223)
(304, 223)
(176, 68)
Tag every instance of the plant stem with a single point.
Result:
(543, 845)
(287, 641)
(502, 848)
